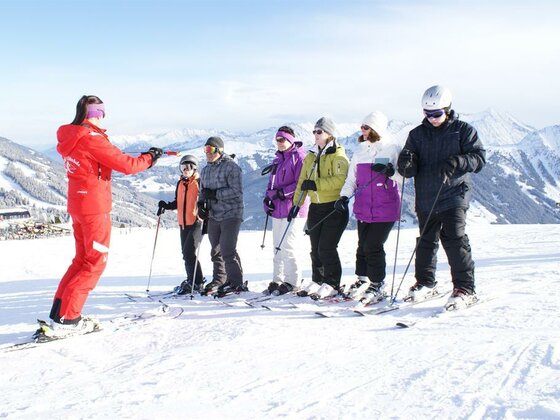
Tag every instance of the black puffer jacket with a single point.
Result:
(431, 147)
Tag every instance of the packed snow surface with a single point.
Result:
(498, 359)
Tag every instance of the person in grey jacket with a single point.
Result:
(440, 154)
(221, 203)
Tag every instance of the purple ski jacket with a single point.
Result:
(377, 196)
(284, 177)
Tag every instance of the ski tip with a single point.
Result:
(402, 325)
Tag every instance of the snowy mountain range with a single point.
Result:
(33, 180)
(520, 183)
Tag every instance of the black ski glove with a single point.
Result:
(162, 206)
(406, 159)
(203, 210)
(449, 166)
(388, 169)
(341, 205)
(293, 213)
(308, 184)
(209, 194)
(156, 153)
(269, 204)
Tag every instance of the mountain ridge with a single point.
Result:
(520, 183)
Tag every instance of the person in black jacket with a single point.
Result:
(440, 154)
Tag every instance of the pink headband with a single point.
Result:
(287, 136)
(95, 111)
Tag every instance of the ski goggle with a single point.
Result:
(188, 167)
(436, 113)
(318, 131)
(211, 149)
(365, 127)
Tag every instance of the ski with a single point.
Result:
(150, 296)
(394, 307)
(40, 337)
(374, 308)
(348, 311)
(439, 313)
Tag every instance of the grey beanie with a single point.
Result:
(216, 142)
(326, 124)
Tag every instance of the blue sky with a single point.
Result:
(245, 65)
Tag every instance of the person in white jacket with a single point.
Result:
(376, 204)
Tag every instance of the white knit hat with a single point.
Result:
(378, 121)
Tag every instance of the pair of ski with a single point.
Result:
(290, 301)
(158, 296)
(374, 309)
(41, 336)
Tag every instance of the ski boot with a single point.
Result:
(325, 291)
(229, 289)
(373, 294)
(186, 287)
(460, 299)
(420, 292)
(211, 288)
(357, 289)
(282, 289)
(272, 287)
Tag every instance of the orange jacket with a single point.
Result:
(89, 159)
(186, 196)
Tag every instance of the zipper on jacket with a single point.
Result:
(185, 204)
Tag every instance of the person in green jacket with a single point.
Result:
(323, 174)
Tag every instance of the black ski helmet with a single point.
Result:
(188, 159)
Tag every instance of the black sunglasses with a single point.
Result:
(434, 114)
(318, 131)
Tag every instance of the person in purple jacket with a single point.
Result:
(277, 202)
(376, 204)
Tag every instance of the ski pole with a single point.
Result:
(398, 234)
(419, 239)
(165, 152)
(264, 234)
(153, 254)
(300, 198)
(270, 168)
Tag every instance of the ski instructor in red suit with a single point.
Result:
(89, 159)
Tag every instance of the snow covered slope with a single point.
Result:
(500, 359)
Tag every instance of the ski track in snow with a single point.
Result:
(498, 359)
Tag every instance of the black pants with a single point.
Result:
(223, 240)
(450, 227)
(370, 255)
(324, 238)
(190, 241)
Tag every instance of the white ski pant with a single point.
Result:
(286, 267)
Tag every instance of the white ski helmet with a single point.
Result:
(436, 97)
(188, 159)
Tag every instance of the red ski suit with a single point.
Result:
(89, 159)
